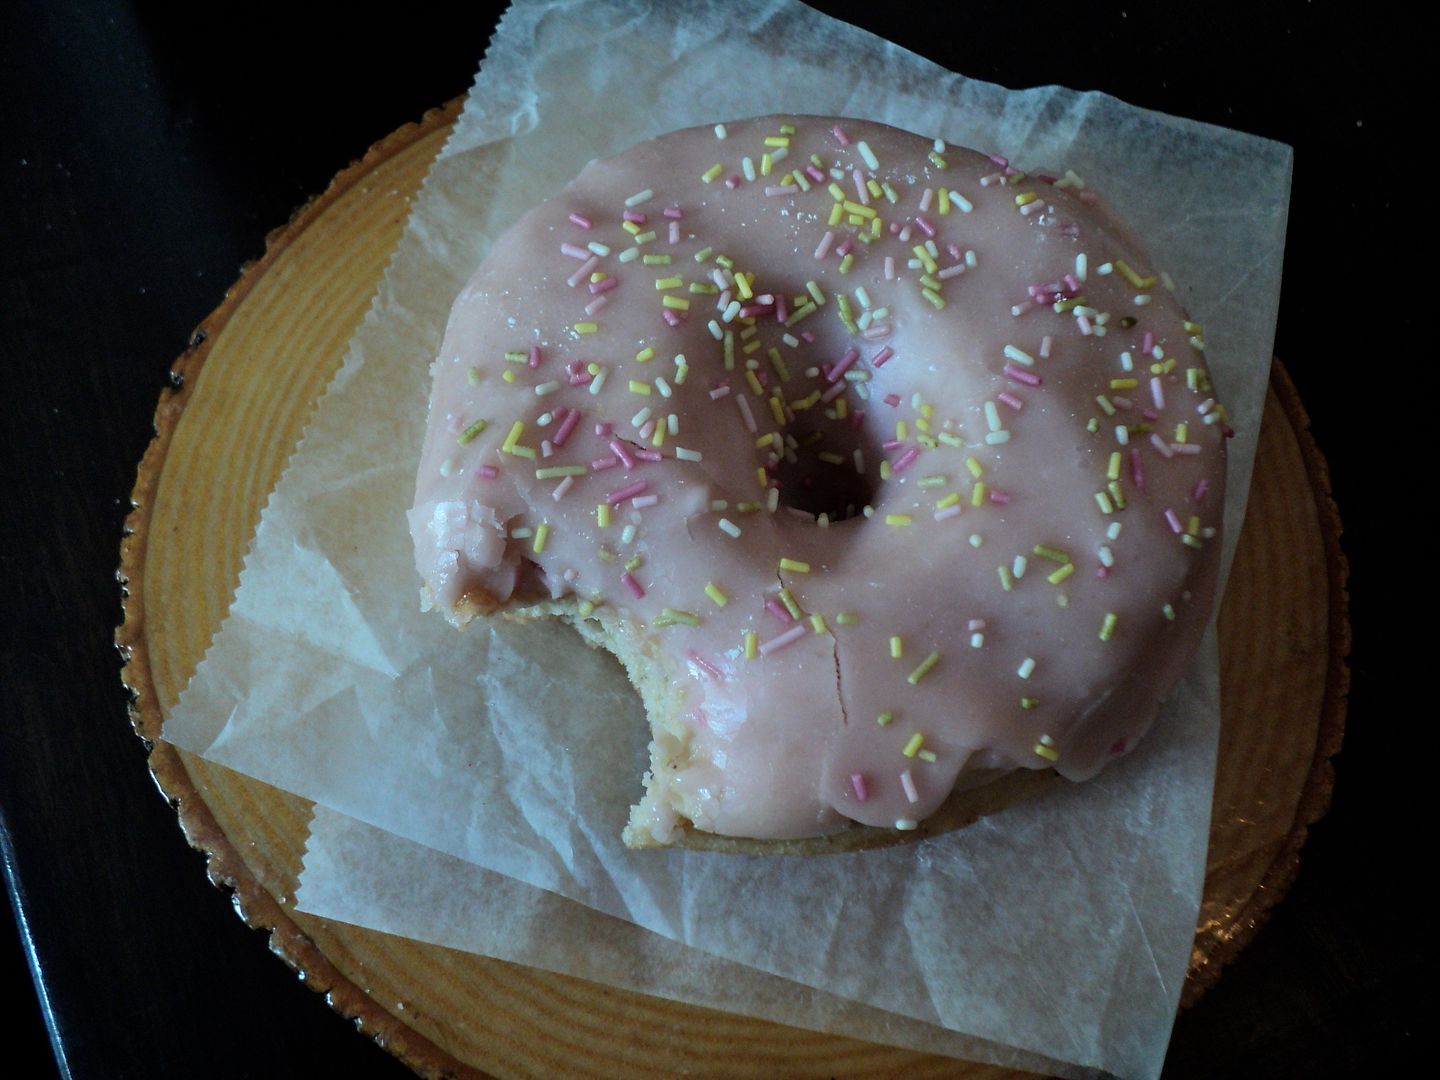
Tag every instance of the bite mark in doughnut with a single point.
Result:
(880, 464)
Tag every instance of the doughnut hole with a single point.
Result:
(812, 481)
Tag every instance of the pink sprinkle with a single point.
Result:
(1000, 498)
(857, 781)
(489, 472)
(636, 589)
(1007, 398)
(893, 400)
(948, 513)
(891, 444)
(641, 502)
(857, 418)
(561, 488)
(704, 665)
(601, 464)
(648, 430)
(807, 336)
(572, 419)
(604, 428)
(845, 246)
(645, 454)
(781, 313)
(580, 275)
(1162, 446)
(604, 285)
(719, 392)
(998, 160)
(534, 360)
(575, 252)
(732, 182)
(672, 318)
(1201, 487)
(673, 233)
(1174, 521)
(1157, 392)
(795, 633)
(815, 174)
(975, 625)
(774, 607)
(861, 192)
(832, 393)
(1137, 468)
(954, 250)
(836, 372)
(673, 212)
(1020, 375)
(580, 378)
(1188, 449)
(904, 461)
(880, 359)
(840, 136)
(925, 226)
(752, 310)
(1148, 342)
(619, 495)
(697, 715)
(1072, 284)
(824, 246)
(908, 783)
(634, 216)
(583, 221)
(1121, 402)
(1119, 747)
(595, 305)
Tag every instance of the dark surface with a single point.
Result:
(143, 157)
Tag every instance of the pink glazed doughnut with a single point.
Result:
(886, 469)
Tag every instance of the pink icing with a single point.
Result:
(790, 744)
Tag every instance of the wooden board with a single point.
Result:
(223, 436)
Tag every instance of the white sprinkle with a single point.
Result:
(715, 331)
(1081, 266)
(992, 416)
(720, 131)
(1107, 557)
(662, 386)
(562, 487)
(1122, 434)
(640, 502)
(627, 534)
(731, 311)
(729, 528)
(995, 438)
(1105, 268)
(598, 248)
(1141, 299)
(1045, 344)
(976, 540)
(598, 381)
(747, 166)
(1127, 362)
(640, 197)
(977, 641)
(687, 455)
(963, 203)
(1113, 532)
(867, 154)
(546, 388)
(906, 824)
(630, 254)
(971, 260)
(744, 403)
(672, 424)
(1019, 356)
(638, 420)
(1157, 392)
(1017, 568)
(1026, 668)
(859, 457)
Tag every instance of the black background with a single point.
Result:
(144, 154)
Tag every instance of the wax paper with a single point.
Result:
(1059, 928)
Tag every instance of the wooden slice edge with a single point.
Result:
(1319, 786)
(256, 906)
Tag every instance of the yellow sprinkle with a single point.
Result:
(944, 194)
(602, 515)
(976, 469)
(977, 497)
(897, 649)
(470, 433)
(508, 376)
(858, 209)
(950, 440)
(516, 430)
(885, 469)
(586, 327)
(836, 213)
(638, 387)
(676, 303)
(1107, 628)
(777, 409)
(645, 355)
(936, 160)
(752, 642)
(912, 747)
(1025, 198)
(1182, 432)
(1103, 501)
(885, 718)
(713, 592)
(711, 173)
(1061, 574)
(542, 534)
(659, 439)
(1054, 554)
(898, 519)
(902, 430)
(1049, 753)
(795, 566)
(656, 260)
(668, 282)
(936, 300)
(766, 164)
(776, 140)
(817, 623)
(1124, 384)
(1132, 277)
(1192, 526)
(1006, 581)
(755, 387)
(847, 262)
(1029, 702)
(948, 501)
(847, 618)
(836, 192)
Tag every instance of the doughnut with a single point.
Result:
(885, 468)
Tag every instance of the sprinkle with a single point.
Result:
(906, 824)
(602, 515)
(897, 650)
(729, 528)
(1061, 574)
(867, 154)
(898, 519)
(640, 197)
(795, 566)
(780, 641)
(913, 744)
(1049, 753)
(924, 668)
(619, 495)
(847, 618)
(673, 616)
(554, 472)
(636, 589)
(817, 623)
(751, 640)
(470, 433)
(715, 594)
(857, 781)
(710, 174)
(1026, 668)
